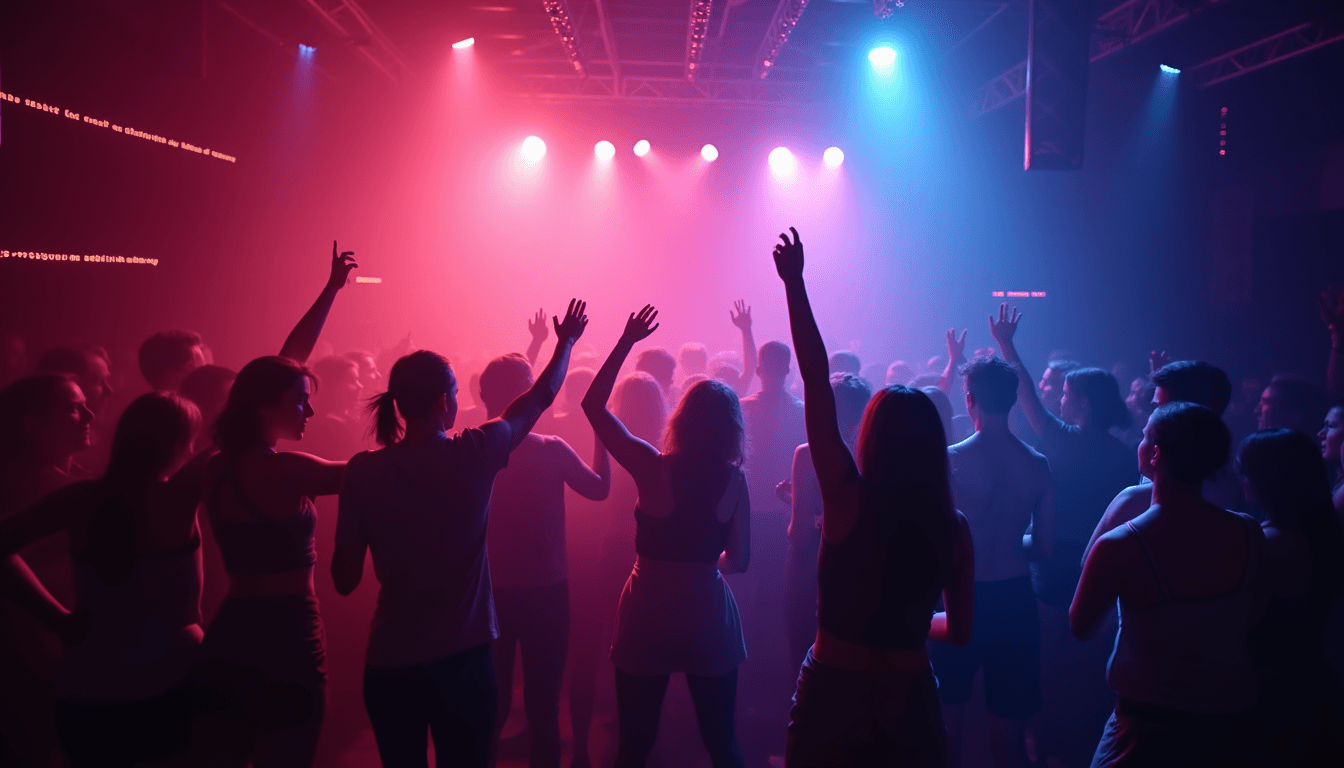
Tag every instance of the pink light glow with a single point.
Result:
(642, 147)
(604, 150)
(709, 152)
(460, 44)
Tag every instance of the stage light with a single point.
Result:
(781, 161)
(533, 149)
(307, 50)
(460, 44)
(1169, 70)
(883, 59)
(642, 147)
(604, 150)
(833, 157)
(709, 152)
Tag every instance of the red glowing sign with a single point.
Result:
(81, 258)
(127, 131)
(368, 279)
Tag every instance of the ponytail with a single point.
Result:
(387, 427)
(416, 382)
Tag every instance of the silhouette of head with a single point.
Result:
(339, 385)
(419, 386)
(1185, 443)
(503, 380)
(267, 402)
(1192, 381)
(168, 356)
(707, 425)
(87, 366)
(772, 364)
(694, 358)
(658, 363)
(1051, 385)
(153, 437)
(991, 386)
(641, 407)
(1092, 396)
(845, 362)
(1292, 403)
(43, 418)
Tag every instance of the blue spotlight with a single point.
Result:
(883, 59)
(307, 51)
(1169, 70)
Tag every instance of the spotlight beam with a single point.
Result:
(786, 18)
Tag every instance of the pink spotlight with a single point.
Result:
(833, 157)
(642, 147)
(533, 149)
(709, 152)
(782, 162)
(604, 150)
(460, 44)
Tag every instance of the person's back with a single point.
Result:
(998, 483)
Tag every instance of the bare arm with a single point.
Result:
(593, 483)
(1041, 419)
(1040, 543)
(805, 506)
(737, 555)
(523, 412)
(836, 471)
(54, 513)
(1098, 588)
(1127, 505)
(299, 346)
(303, 474)
(638, 457)
(536, 327)
(956, 357)
(954, 623)
(740, 315)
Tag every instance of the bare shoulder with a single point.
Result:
(1134, 500)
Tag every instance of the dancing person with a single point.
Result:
(740, 317)
(336, 431)
(420, 504)
(122, 694)
(1298, 709)
(1006, 492)
(1189, 579)
(800, 570)
(693, 522)
(1090, 466)
(1184, 381)
(1331, 437)
(1051, 385)
(528, 561)
(369, 374)
(262, 671)
(845, 361)
(956, 358)
(88, 366)
(661, 365)
(168, 356)
(891, 544)
(610, 544)
(44, 424)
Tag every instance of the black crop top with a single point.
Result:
(691, 533)
(879, 586)
(260, 544)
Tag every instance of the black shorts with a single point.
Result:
(1006, 641)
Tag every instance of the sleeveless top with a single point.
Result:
(140, 609)
(261, 544)
(878, 587)
(1188, 655)
(692, 532)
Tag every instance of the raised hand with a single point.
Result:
(640, 325)
(956, 347)
(740, 315)
(1157, 359)
(1332, 308)
(1006, 327)
(789, 257)
(342, 262)
(537, 327)
(571, 328)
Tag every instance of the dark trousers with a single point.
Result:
(639, 700)
(536, 618)
(452, 698)
(124, 735)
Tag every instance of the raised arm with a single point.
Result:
(638, 457)
(299, 346)
(956, 357)
(1332, 312)
(1041, 419)
(836, 470)
(523, 412)
(740, 315)
(536, 327)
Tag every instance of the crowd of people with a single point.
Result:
(1138, 581)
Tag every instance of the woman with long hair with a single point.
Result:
(262, 676)
(135, 550)
(676, 613)
(421, 505)
(1189, 578)
(44, 424)
(892, 544)
(1298, 709)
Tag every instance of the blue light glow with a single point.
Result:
(306, 50)
(1169, 70)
